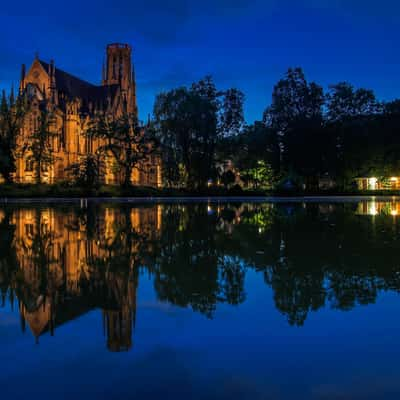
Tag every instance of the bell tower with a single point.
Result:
(118, 70)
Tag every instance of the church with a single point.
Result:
(75, 104)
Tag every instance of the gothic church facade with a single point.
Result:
(74, 103)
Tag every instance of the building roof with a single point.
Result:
(73, 87)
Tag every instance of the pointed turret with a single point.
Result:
(22, 81)
(53, 88)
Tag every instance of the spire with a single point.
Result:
(52, 73)
(52, 68)
(22, 81)
(22, 317)
(12, 97)
(3, 104)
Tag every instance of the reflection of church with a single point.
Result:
(66, 271)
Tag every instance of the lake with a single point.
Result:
(200, 300)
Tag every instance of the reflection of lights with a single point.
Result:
(373, 210)
(394, 212)
(260, 230)
(372, 183)
(209, 210)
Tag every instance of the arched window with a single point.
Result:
(29, 163)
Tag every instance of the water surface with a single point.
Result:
(215, 300)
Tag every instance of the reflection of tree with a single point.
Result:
(326, 254)
(8, 261)
(187, 262)
(40, 261)
(231, 281)
(60, 273)
(311, 255)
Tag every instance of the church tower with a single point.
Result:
(118, 70)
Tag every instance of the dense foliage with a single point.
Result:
(304, 136)
(201, 256)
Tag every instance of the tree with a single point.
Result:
(294, 99)
(87, 172)
(127, 141)
(12, 112)
(40, 145)
(344, 102)
(392, 107)
(190, 122)
(260, 176)
(232, 117)
(351, 119)
(296, 116)
(172, 121)
(228, 178)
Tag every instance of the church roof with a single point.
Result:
(74, 87)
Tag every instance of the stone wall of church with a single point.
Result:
(70, 144)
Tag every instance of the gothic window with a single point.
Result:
(29, 163)
(29, 230)
(33, 91)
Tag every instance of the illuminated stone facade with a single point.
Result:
(74, 103)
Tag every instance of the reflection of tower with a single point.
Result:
(118, 325)
(58, 276)
(40, 319)
(119, 321)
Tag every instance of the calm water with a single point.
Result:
(200, 301)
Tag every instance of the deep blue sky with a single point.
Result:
(243, 43)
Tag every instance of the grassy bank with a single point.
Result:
(35, 191)
(32, 191)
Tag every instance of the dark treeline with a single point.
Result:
(303, 137)
(311, 256)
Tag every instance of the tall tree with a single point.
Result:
(295, 114)
(294, 99)
(12, 113)
(190, 122)
(39, 145)
(232, 118)
(345, 102)
(127, 141)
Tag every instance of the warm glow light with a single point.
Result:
(394, 212)
(373, 210)
(393, 179)
(372, 183)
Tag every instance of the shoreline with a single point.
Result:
(201, 199)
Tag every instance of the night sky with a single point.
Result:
(242, 43)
